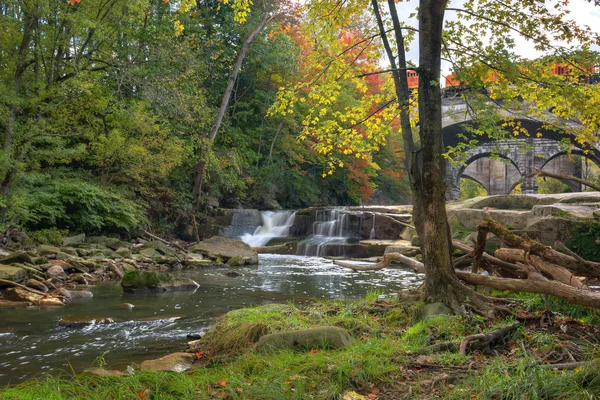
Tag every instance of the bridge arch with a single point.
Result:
(525, 152)
(496, 176)
(570, 168)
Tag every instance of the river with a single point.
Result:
(31, 342)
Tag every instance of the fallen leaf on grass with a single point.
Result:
(313, 351)
(223, 382)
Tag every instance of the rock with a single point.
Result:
(127, 267)
(232, 274)
(70, 251)
(235, 261)
(114, 244)
(126, 306)
(176, 362)
(124, 252)
(196, 260)
(14, 304)
(50, 302)
(75, 294)
(72, 321)
(166, 260)
(56, 272)
(116, 269)
(99, 371)
(225, 248)
(10, 273)
(16, 257)
(47, 250)
(160, 247)
(149, 252)
(74, 240)
(143, 281)
(434, 309)
(79, 278)
(37, 285)
(325, 337)
(18, 294)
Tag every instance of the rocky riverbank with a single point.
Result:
(53, 276)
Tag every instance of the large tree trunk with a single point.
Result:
(441, 283)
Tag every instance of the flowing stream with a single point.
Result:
(31, 342)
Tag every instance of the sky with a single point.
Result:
(583, 12)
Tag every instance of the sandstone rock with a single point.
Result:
(56, 272)
(72, 321)
(16, 257)
(325, 337)
(176, 362)
(235, 261)
(196, 260)
(18, 294)
(10, 273)
(14, 304)
(79, 278)
(149, 252)
(114, 244)
(74, 240)
(37, 285)
(143, 281)
(75, 294)
(225, 248)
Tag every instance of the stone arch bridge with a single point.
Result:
(521, 155)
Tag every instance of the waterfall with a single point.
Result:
(274, 224)
(372, 235)
(330, 231)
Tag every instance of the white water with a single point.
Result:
(330, 228)
(274, 224)
(372, 235)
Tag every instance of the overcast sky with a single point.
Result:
(583, 12)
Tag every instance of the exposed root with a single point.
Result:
(485, 340)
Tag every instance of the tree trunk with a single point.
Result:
(441, 283)
(201, 164)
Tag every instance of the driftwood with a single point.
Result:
(513, 270)
(164, 241)
(579, 267)
(485, 340)
(566, 177)
(553, 288)
(387, 260)
(557, 272)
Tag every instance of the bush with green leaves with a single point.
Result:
(43, 201)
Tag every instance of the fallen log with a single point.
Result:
(511, 268)
(588, 269)
(386, 261)
(556, 272)
(557, 289)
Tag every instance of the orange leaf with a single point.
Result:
(313, 351)
(144, 394)
(223, 382)
(372, 396)
(199, 355)
(375, 390)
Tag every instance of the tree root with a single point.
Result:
(485, 340)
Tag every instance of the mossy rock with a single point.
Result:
(16, 257)
(74, 240)
(432, 310)
(144, 281)
(124, 252)
(235, 261)
(324, 337)
(9, 273)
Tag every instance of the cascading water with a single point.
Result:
(372, 235)
(331, 231)
(274, 224)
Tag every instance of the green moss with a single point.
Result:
(142, 279)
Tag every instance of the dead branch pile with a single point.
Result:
(527, 265)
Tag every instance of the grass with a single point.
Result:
(388, 359)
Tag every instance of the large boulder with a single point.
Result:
(18, 294)
(324, 337)
(11, 273)
(224, 248)
(74, 240)
(144, 281)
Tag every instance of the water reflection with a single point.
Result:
(31, 341)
